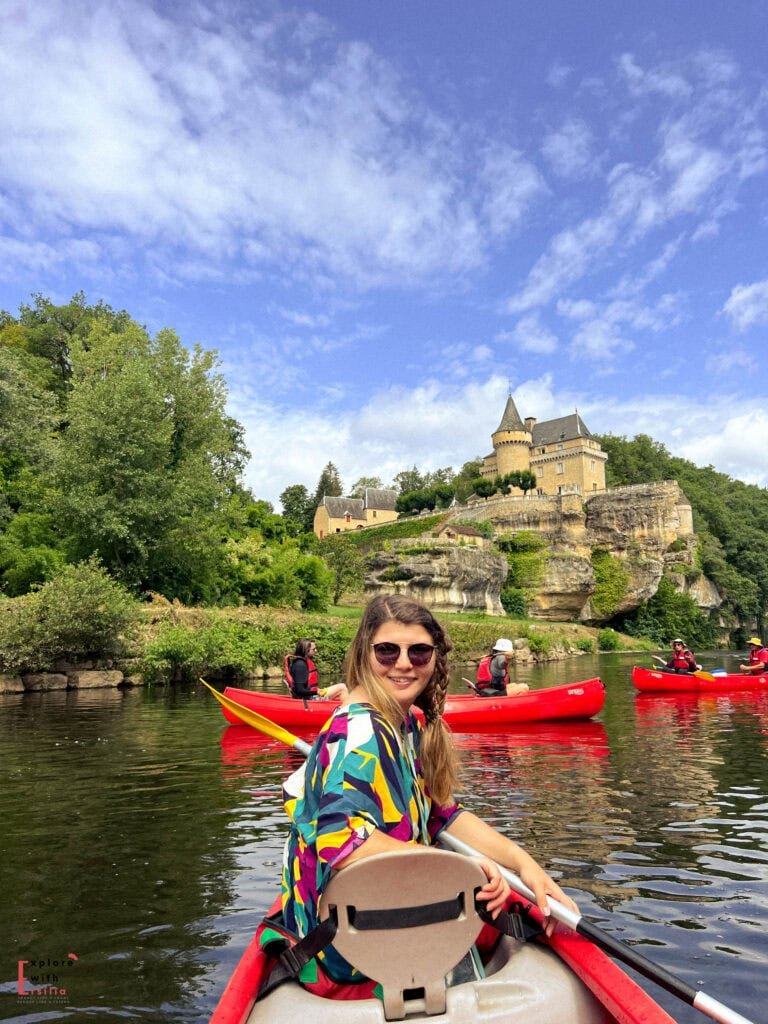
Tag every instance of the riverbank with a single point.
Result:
(176, 644)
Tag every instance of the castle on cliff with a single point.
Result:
(562, 453)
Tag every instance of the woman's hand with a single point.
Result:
(536, 878)
(495, 891)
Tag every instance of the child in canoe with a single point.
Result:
(376, 778)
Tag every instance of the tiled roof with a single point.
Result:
(339, 508)
(464, 531)
(380, 498)
(565, 428)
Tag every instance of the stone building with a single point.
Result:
(562, 453)
(337, 515)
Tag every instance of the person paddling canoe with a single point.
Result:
(683, 659)
(376, 779)
(493, 672)
(758, 657)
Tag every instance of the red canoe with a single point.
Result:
(463, 712)
(651, 680)
(579, 984)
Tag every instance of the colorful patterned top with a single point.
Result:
(361, 774)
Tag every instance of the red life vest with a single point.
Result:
(311, 668)
(484, 676)
(758, 654)
(683, 659)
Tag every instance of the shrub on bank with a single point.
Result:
(608, 640)
(81, 614)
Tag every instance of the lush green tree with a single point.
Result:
(329, 485)
(346, 562)
(527, 481)
(359, 486)
(277, 574)
(639, 461)
(464, 480)
(30, 552)
(668, 614)
(80, 613)
(483, 487)
(409, 480)
(298, 509)
(148, 460)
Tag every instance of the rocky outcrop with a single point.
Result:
(442, 576)
(11, 684)
(647, 529)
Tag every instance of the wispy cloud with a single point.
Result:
(437, 425)
(748, 305)
(530, 335)
(569, 150)
(709, 141)
(240, 139)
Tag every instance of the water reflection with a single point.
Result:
(142, 833)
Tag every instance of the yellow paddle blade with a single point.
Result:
(705, 675)
(259, 722)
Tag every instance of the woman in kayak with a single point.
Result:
(376, 778)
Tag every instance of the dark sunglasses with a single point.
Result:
(418, 654)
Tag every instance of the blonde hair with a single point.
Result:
(439, 761)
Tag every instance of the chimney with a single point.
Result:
(529, 423)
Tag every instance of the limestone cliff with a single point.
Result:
(605, 554)
(445, 576)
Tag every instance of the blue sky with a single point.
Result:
(385, 213)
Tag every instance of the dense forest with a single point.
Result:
(117, 454)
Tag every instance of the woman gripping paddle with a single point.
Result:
(376, 778)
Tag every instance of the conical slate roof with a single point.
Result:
(511, 418)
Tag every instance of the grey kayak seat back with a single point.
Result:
(405, 919)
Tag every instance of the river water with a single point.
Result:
(140, 839)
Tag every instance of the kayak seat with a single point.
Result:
(405, 920)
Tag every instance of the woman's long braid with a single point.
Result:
(438, 757)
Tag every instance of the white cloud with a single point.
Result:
(747, 305)
(727, 362)
(569, 150)
(558, 74)
(509, 184)
(709, 141)
(664, 79)
(437, 425)
(530, 335)
(239, 138)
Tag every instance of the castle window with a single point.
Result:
(592, 465)
(560, 468)
(560, 447)
(347, 518)
(373, 511)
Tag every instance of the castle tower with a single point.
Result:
(512, 442)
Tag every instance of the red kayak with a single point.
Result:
(652, 680)
(463, 712)
(564, 978)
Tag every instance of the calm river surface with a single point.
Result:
(140, 835)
